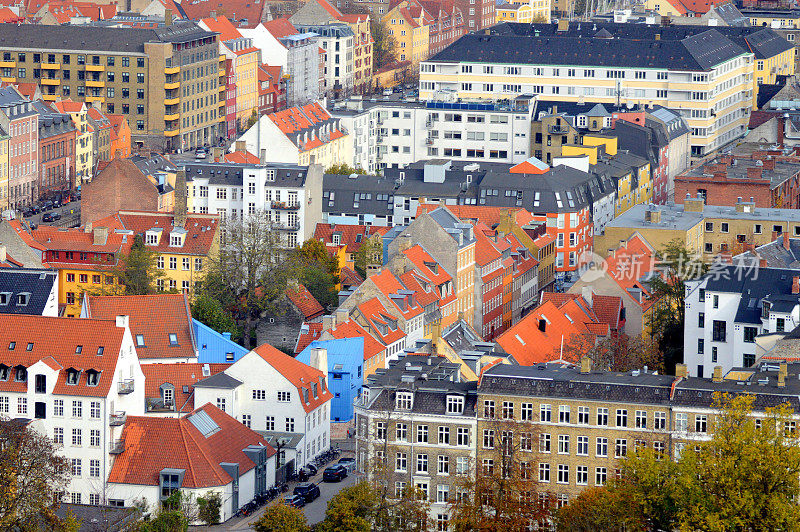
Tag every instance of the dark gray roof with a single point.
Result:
(338, 31)
(37, 283)
(755, 285)
(220, 380)
(369, 189)
(14, 103)
(153, 163)
(91, 38)
(776, 255)
(731, 15)
(51, 122)
(231, 174)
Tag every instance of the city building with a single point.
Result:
(389, 133)
(447, 24)
(84, 142)
(279, 325)
(215, 347)
(169, 386)
(78, 380)
(409, 25)
(343, 241)
(154, 77)
(338, 43)
(300, 135)
(28, 291)
(289, 195)
(57, 140)
(610, 70)
(345, 360)
(20, 121)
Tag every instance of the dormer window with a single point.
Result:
(78, 349)
(92, 377)
(336, 240)
(404, 400)
(72, 376)
(175, 241)
(168, 394)
(314, 390)
(4, 372)
(455, 404)
(5, 297)
(23, 298)
(151, 238)
(100, 350)
(29, 347)
(173, 339)
(139, 340)
(12, 345)
(21, 374)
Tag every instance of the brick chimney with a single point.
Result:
(717, 374)
(100, 236)
(762, 263)
(681, 370)
(586, 365)
(180, 209)
(795, 285)
(754, 172)
(786, 240)
(769, 163)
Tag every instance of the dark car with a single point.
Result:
(311, 468)
(309, 491)
(50, 216)
(298, 501)
(27, 213)
(334, 473)
(47, 205)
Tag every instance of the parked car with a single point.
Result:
(309, 491)
(334, 473)
(298, 501)
(50, 217)
(47, 205)
(387, 92)
(27, 213)
(349, 462)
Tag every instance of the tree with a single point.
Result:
(173, 515)
(351, 510)
(368, 253)
(32, 475)
(746, 477)
(282, 518)
(678, 265)
(209, 507)
(249, 273)
(618, 352)
(318, 271)
(502, 495)
(138, 271)
(209, 311)
(384, 47)
(344, 169)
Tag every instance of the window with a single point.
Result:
(75, 464)
(444, 435)
(488, 439)
(715, 301)
(270, 423)
(58, 407)
(94, 409)
(508, 410)
(780, 324)
(544, 443)
(173, 339)
(641, 419)
(259, 395)
(401, 462)
(284, 397)
(289, 424)
(583, 446)
(442, 493)
(681, 422)
(77, 409)
(718, 332)
(462, 434)
(422, 433)
(76, 437)
(526, 411)
(422, 463)
(660, 420)
(582, 475)
(601, 449)
(443, 465)
(563, 414)
(563, 444)
(600, 476)
(700, 423)
(701, 319)
(622, 417)
(488, 466)
(544, 472)
(401, 432)
(602, 416)
(403, 400)
(488, 409)
(621, 448)
(545, 413)
(94, 438)
(221, 403)
(563, 474)
(58, 435)
(750, 334)
(701, 346)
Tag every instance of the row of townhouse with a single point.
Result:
(420, 425)
(627, 63)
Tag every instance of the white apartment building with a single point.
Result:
(271, 392)
(728, 308)
(291, 196)
(338, 42)
(78, 380)
(392, 133)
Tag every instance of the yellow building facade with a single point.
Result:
(84, 143)
(411, 34)
(521, 13)
(245, 66)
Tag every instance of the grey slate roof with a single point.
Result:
(776, 255)
(92, 38)
(52, 123)
(754, 284)
(231, 174)
(220, 380)
(37, 283)
(153, 163)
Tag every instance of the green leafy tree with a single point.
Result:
(344, 169)
(746, 477)
(351, 510)
(209, 508)
(138, 270)
(173, 515)
(384, 47)
(370, 252)
(209, 311)
(282, 518)
(32, 474)
(317, 270)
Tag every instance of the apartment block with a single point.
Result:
(338, 42)
(20, 120)
(623, 63)
(388, 133)
(163, 80)
(57, 143)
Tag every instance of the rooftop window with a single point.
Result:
(29, 347)
(92, 377)
(139, 340)
(12, 345)
(78, 349)
(21, 374)
(72, 376)
(173, 339)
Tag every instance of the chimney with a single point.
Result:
(754, 172)
(681, 370)
(781, 380)
(796, 285)
(263, 157)
(769, 163)
(691, 204)
(717, 374)
(168, 17)
(319, 359)
(404, 243)
(100, 236)
(87, 228)
(217, 154)
(122, 321)
(328, 321)
(774, 236)
(586, 365)
(240, 146)
(783, 369)
(373, 269)
(180, 198)
(587, 294)
(3, 254)
(762, 263)
(786, 240)
(341, 315)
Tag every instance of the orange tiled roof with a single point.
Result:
(424, 291)
(389, 285)
(241, 157)
(351, 329)
(349, 277)
(305, 302)
(482, 213)
(178, 375)
(242, 10)
(308, 333)
(8, 16)
(68, 106)
(154, 317)
(425, 264)
(57, 340)
(280, 27)
(628, 263)
(296, 120)
(378, 317)
(227, 31)
(200, 230)
(302, 376)
(156, 443)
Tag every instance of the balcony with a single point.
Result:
(95, 99)
(49, 97)
(125, 386)
(95, 68)
(50, 81)
(8, 64)
(286, 227)
(558, 130)
(171, 117)
(172, 70)
(172, 85)
(8, 80)
(172, 101)
(51, 66)
(118, 446)
(171, 132)
(284, 206)
(115, 419)
(95, 83)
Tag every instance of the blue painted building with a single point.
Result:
(345, 373)
(215, 347)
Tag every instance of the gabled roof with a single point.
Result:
(35, 284)
(351, 329)
(154, 317)
(178, 375)
(58, 340)
(349, 277)
(200, 230)
(305, 302)
(483, 213)
(280, 27)
(305, 378)
(351, 236)
(153, 444)
(402, 299)
(630, 265)
(308, 333)
(244, 13)
(227, 31)
(380, 318)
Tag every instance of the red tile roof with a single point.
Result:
(431, 270)
(305, 302)
(241, 157)
(351, 329)
(69, 106)
(627, 264)
(482, 213)
(62, 239)
(379, 318)
(200, 230)
(154, 317)
(8, 16)
(302, 376)
(404, 304)
(155, 443)
(178, 375)
(227, 31)
(57, 340)
(350, 278)
(280, 27)
(308, 333)
(242, 10)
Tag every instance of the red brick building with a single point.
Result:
(57, 137)
(770, 178)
